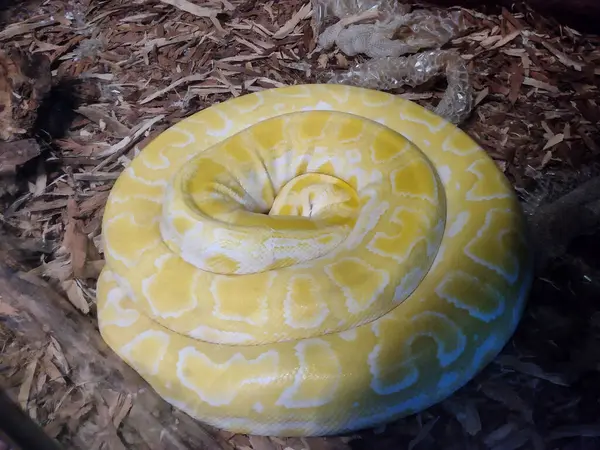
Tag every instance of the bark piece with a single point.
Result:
(13, 154)
(25, 79)
(94, 365)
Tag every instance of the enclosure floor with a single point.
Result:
(536, 114)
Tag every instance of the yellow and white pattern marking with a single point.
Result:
(311, 260)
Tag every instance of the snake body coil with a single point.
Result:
(311, 260)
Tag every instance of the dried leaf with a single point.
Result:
(500, 434)
(91, 204)
(136, 133)
(261, 443)
(52, 370)
(465, 413)
(563, 58)
(504, 394)
(13, 154)
(97, 115)
(481, 95)
(189, 7)
(546, 159)
(554, 140)
(517, 77)
(511, 19)
(76, 296)
(7, 310)
(41, 180)
(55, 350)
(515, 440)
(506, 39)
(540, 85)
(75, 240)
(423, 433)
(289, 26)
(123, 411)
(19, 29)
(583, 430)
(25, 388)
(184, 80)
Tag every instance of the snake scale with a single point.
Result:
(311, 260)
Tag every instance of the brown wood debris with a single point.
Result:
(17, 153)
(25, 79)
(143, 66)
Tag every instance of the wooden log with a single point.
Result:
(37, 313)
(20, 430)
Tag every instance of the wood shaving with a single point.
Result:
(184, 80)
(289, 26)
(189, 7)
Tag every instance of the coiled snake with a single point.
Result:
(311, 260)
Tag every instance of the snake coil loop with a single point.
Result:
(311, 260)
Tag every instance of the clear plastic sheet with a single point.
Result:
(89, 48)
(323, 10)
(393, 72)
(396, 36)
(75, 12)
(386, 31)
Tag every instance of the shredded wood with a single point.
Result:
(142, 66)
(189, 7)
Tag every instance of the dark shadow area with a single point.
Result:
(55, 115)
(582, 15)
(57, 110)
(21, 429)
(559, 334)
(13, 9)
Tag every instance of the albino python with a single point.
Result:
(311, 260)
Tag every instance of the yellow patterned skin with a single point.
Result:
(311, 260)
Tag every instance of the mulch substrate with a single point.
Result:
(130, 69)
